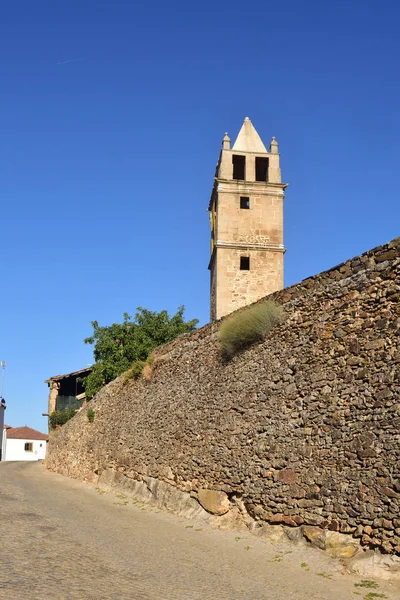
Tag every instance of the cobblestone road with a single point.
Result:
(63, 540)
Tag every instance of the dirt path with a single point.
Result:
(63, 539)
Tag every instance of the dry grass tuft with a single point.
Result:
(140, 368)
(134, 372)
(248, 326)
(147, 372)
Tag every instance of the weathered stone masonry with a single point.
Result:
(304, 427)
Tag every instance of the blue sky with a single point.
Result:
(112, 115)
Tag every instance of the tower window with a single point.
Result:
(245, 263)
(262, 169)
(244, 202)
(239, 166)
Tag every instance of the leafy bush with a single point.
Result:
(248, 326)
(90, 415)
(59, 417)
(119, 346)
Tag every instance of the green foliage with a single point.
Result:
(367, 583)
(58, 417)
(248, 326)
(90, 415)
(119, 346)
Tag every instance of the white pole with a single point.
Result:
(2, 408)
(3, 366)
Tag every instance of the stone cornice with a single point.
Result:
(244, 246)
(250, 246)
(239, 186)
(243, 182)
(248, 189)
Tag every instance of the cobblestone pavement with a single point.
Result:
(65, 540)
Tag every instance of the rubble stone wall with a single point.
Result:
(303, 428)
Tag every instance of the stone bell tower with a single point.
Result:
(246, 214)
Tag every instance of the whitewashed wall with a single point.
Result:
(3, 448)
(15, 450)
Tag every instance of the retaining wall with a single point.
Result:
(303, 428)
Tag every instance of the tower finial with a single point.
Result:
(226, 142)
(273, 147)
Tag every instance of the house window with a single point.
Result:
(239, 165)
(245, 263)
(40, 445)
(244, 202)
(262, 169)
(28, 447)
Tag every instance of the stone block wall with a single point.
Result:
(261, 224)
(256, 233)
(235, 286)
(303, 428)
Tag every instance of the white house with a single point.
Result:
(24, 443)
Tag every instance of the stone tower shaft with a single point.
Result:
(246, 216)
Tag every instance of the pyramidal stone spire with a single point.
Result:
(248, 139)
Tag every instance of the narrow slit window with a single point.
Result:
(262, 169)
(245, 263)
(244, 202)
(239, 166)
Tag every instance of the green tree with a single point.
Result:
(118, 346)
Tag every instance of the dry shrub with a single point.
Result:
(134, 372)
(248, 326)
(140, 368)
(147, 372)
(148, 368)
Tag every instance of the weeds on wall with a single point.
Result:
(90, 415)
(248, 326)
(138, 368)
(58, 417)
(135, 371)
